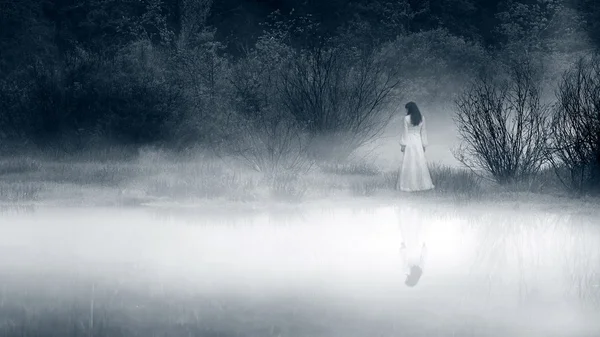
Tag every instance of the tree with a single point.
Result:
(576, 126)
(105, 26)
(503, 125)
(260, 130)
(540, 25)
(434, 62)
(590, 10)
(99, 71)
(385, 19)
(193, 23)
(198, 66)
(460, 17)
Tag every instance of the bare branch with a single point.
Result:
(503, 125)
(575, 142)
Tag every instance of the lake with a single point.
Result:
(314, 270)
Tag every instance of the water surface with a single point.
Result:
(320, 270)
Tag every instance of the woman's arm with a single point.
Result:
(404, 134)
(424, 139)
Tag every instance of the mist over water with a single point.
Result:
(218, 109)
(334, 269)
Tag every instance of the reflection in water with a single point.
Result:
(484, 271)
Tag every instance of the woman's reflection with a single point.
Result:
(413, 249)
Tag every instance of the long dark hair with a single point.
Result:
(415, 114)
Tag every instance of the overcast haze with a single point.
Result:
(234, 168)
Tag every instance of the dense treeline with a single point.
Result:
(267, 80)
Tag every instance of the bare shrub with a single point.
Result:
(340, 95)
(503, 125)
(272, 145)
(575, 127)
(295, 104)
(260, 130)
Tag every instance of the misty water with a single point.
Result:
(317, 270)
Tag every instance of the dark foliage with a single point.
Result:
(86, 97)
(80, 73)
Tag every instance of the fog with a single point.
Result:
(315, 269)
(441, 132)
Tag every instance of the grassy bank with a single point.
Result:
(151, 177)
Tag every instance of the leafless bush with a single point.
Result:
(272, 144)
(575, 141)
(294, 104)
(260, 130)
(503, 125)
(340, 95)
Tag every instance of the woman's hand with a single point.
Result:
(403, 147)
(424, 148)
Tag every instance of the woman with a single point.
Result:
(414, 174)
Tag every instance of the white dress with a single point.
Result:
(414, 172)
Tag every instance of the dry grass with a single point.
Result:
(361, 168)
(19, 192)
(156, 176)
(455, 180)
